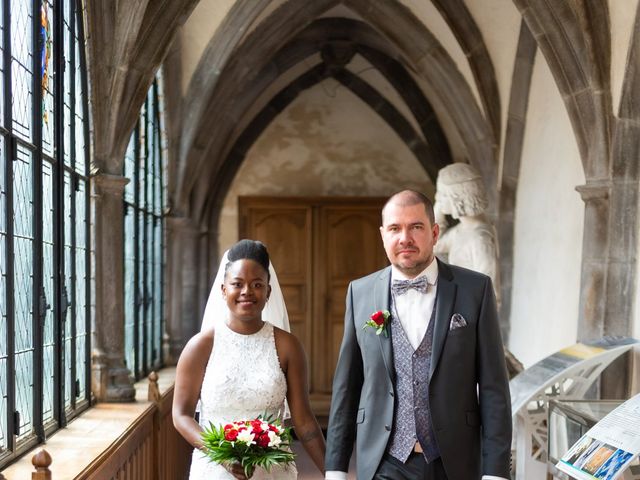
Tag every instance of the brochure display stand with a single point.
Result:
(567, 374)
(569, 420)
(607, 450)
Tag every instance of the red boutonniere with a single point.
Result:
(379, 321)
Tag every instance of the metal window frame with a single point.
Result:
(147, 162)
(60, 414)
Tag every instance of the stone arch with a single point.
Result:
(574, 38)
(422, 150)
(614, 205)
(464, 27)
(128, 43)
(413, 44)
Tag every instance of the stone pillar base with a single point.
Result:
(111, 382)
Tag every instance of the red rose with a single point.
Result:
(273, 428)
(229, 426)
(257, 426)
(231, 435)
(378, 318)
(262, 440)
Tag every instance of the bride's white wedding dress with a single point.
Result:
(243, 379)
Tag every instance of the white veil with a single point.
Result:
(275, 311)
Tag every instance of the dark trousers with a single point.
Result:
(416, 468)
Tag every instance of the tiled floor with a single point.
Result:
(308, 471)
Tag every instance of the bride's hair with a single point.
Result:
(249, 250)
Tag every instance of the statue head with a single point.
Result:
(460, 191)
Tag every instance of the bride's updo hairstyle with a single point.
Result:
(249, 250)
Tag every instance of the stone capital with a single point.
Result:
(595, 190)
(183, 225)
(110, 184)
(180, 223)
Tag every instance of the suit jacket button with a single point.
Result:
(387, 428)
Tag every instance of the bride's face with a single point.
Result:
(246, 289)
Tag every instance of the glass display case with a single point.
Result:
(569, 420)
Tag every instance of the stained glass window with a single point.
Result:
(144, 197)
(44, 232)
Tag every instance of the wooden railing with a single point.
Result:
(150, 449)
(173, 452)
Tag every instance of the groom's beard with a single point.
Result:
(414, 268)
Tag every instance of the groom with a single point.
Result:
(428, 398)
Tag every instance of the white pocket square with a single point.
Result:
(457, 321)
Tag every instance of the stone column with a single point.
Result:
(608, 270)
(112, 381)
(182, 280)
(595, 247)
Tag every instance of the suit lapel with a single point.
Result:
(444, 307)
(381, 299)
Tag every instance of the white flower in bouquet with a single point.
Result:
(274, 439)
(245, 436)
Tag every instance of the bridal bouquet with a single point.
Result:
(251, 443)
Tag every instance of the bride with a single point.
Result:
(240, 365)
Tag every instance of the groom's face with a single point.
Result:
(408, 237)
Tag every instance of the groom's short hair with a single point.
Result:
(407, 198)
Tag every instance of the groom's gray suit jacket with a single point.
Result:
(468, 390)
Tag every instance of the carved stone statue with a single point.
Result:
(471, 243)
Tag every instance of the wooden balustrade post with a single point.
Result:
(41, 460)
(153, 394)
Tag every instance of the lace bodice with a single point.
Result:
(243, 379)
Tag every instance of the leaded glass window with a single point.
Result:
(143, 238)
(44, 228)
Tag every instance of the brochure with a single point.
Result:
(607, 449)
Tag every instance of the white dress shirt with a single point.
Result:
(414, 308)
(414, 311)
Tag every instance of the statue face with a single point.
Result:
(444, 202)
(408, 237)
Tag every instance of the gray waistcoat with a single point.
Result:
(412, 413)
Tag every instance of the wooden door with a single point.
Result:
(286, 230)
(317, 245)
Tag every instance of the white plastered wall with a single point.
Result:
(499, 22)
(327, 142)
(197, 31)
(549, 218)
(622, 17)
